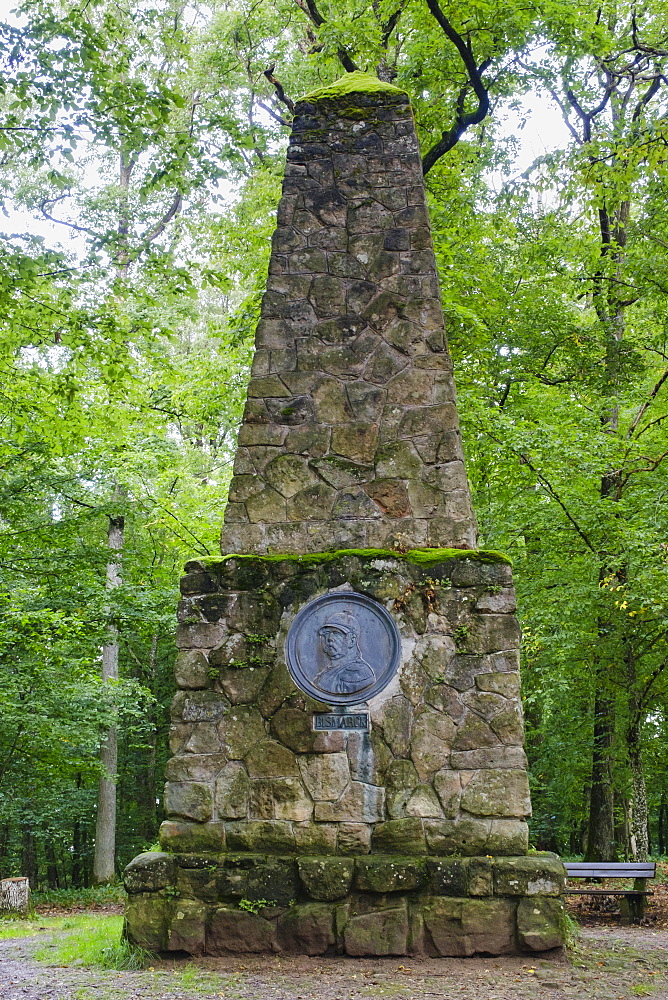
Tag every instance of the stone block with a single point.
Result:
(506, 684)
(507, 757)
(464, 927)
(529, 876)
(508, 837)
(497, 792)
(191, 669)
(176, 837)
(399, 836)
(433, 736)
(202, 635)
(448, 786)
(380, 932)
(147, 920)
(241, 730)
(149, 872)
(389, 874)
(307, 929)
(270, 759)
(242, 685)
(187, 929)
(189, 800)
(273, 879)
(202, 884)
(232, 930)
(325, 776)
(354, 839)
(315, 838)
(540, 924)
(326, 879)
(279, 798)
(232, 791)
(423, 802)
(466, 836)
(195, 767)
(448, 876)
(359, 803)
(199, 706)
(260, 836)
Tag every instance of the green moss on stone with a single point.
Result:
(419, 557)
(352, 83)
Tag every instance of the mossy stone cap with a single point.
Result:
(352, 83)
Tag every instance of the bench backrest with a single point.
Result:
(610, 869)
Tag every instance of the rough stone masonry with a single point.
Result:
(408, 836)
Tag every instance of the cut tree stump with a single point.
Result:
(15, 895)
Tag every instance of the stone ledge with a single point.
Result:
(278, 880)
(317, 906)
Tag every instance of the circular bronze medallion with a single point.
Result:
(343, 648)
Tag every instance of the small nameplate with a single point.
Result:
(341, 720)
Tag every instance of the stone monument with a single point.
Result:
(348, 772)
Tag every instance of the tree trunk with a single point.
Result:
(51, 864)
(104, 862)
(15, 895)
(600, 831)
(29, 856)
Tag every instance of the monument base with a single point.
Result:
(221, 904)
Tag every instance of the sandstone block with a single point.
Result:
(307, 929)
(176, 837)
(508, 837)
(232, 790)
(498, 792)
(540, 924)
(269, 759)
(354, 839)
(448, 786)
(260, 836)
(187, 929)
(423, 802)
(325, 776)
(466, 836)
(242, 685)
(315, 838)
(233, 930)
(529, 876)
(326, 879)
(359, 803)
(149, 872)
(241, 730)
(380, 932)
(389, 874)
(195, 767)
(399, 836)
(147, 919)
(433, 737)
(191, 669)
(188, 800)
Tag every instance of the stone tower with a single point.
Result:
(348, 772)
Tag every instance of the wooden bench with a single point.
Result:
(633, 906)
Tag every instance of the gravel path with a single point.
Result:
(608, 963)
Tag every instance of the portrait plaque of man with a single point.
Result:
(343, 648)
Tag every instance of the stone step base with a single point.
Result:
(353, 906)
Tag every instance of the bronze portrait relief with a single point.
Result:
(343, 648)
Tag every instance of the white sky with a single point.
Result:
(537, 125)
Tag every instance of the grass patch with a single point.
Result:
(66, 899)
(93, 942)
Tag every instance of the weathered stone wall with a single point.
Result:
(442, 770)
(350, 436)
(354, 906)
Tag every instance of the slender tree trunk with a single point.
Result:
(633, 749)
(51, 864)
(662, 824)
(29, 856)
(104, 863)
(600, 830)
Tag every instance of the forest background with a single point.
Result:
(151, 136)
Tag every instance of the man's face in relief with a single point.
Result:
(336, 643)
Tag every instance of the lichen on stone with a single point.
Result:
(352, 83)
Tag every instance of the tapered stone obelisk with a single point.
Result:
(348, 773)
(350, 435)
